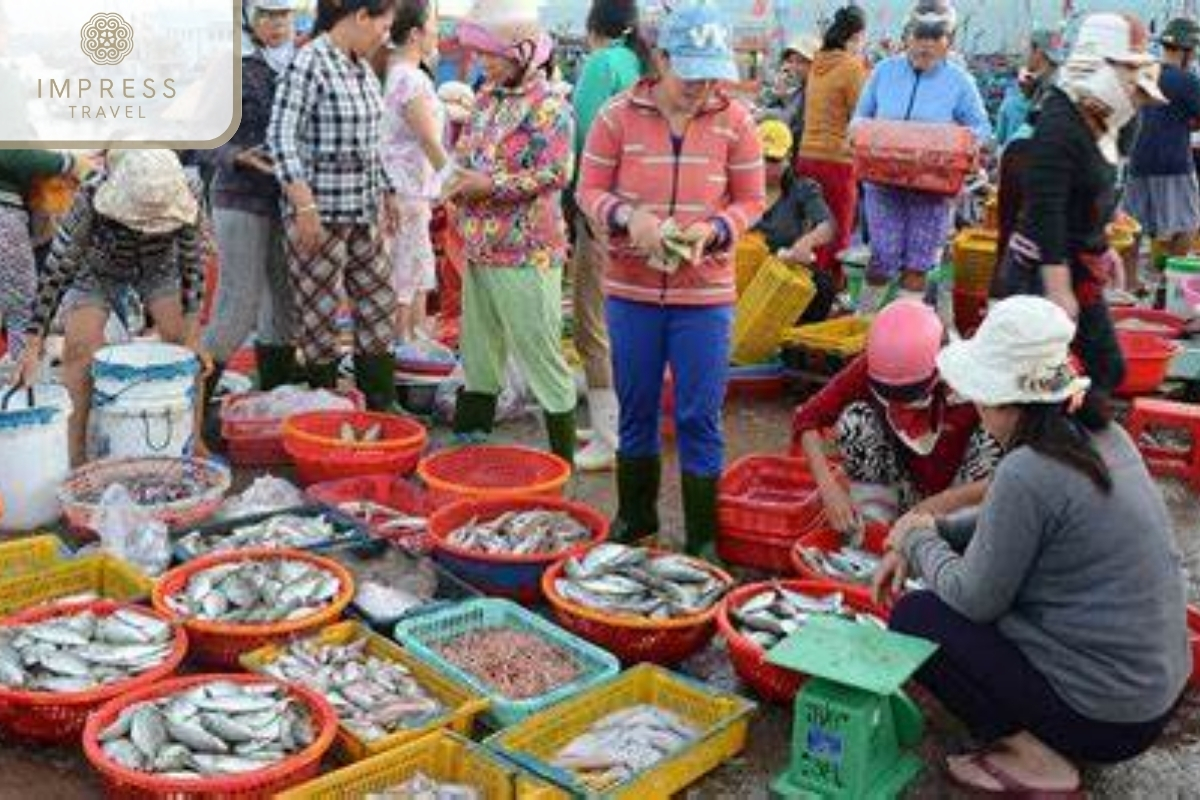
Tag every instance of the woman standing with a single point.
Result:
(325, 139)
(834, 85)
(415, 158)
(909, 228)
(1061, 636)
(618, 58)
(515, 160)
(254, 293)
(673, 162)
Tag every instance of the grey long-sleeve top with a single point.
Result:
(1089, 586)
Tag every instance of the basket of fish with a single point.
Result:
(95, 576)
(383, 696)
(392, 508)
(755, 618)
(204, 736)
(313, 528)
(492, 472)
(826, 555)
(441, 766)
(327, 445)
(232, 603)
(765, 503)
(518, 660)
(640, 604)
(176, 491)
(59, 663)
(503, 547)
(252, 422)
(646, 733)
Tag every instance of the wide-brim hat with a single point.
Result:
(146, 190)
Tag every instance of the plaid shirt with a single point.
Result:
(326, 131)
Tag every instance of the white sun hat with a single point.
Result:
(1020, 354)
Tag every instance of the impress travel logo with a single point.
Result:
(143, 73)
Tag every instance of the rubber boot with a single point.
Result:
(600, 455)
(700, 516)
(560, 431)
(474, 417)
(638, 481)
(210, 424)
(277, 365)
(375, 375)
(323, 375)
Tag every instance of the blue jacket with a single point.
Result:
(1014, 111)
(945, 94)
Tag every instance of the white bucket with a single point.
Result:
(143, 398)
(34, 459)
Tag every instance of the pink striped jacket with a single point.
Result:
(715, 172)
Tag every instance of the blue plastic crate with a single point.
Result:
(419, 634)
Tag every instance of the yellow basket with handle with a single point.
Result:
(748, 255)
(775, 299)
(21, 556)
(723, 721)
(100, 574)
(844, 337)
(442, 756)
(461, 703)
(974, 256)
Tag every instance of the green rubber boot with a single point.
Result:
(277, 365)
(700, 516)
(474, 416)
(560, 430)
(375, 375)
(323, 376)
(638, 481)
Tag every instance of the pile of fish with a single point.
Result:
(80, 652)
(256, 591)
(522, 533)
(517, 664)
(632, 581)
(374, 697)
(153, 490)
(383, 520)
(214, 729)
(284, 530)
(622, 744)
(848, 564)
(422, 787)
(768, 618)
(350, 435)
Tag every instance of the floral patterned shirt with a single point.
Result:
(522, 138)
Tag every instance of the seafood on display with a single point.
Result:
(517, 664)
(622, 744)
(383, 520)
(632, 581)
(522, 533)
(351, 435)
(849, 565)
(256, 591)
(83, 651)
(770, 617)
(373, 696)
(213, 729)
(153, 490)
(284, 530)
(422, 787)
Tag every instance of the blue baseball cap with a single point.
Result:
(699, 41)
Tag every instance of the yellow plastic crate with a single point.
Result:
(30, 554)
(101, 574)
(463, 705)
(748, 255)
(723, 719)
(844, 336)
(443, 756)
(975, 259)
(774, 301)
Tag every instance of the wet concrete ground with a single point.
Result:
(1170, 770)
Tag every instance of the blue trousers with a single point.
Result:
(694, 343)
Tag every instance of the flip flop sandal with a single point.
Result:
(1009, 785)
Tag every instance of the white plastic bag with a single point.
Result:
(265, 495)
(515, 401)
(130, 532)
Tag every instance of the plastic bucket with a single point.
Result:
(33, 456)
(142, 400)
(134, 430)
(1178, 271)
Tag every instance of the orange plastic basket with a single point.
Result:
(127, 784)
(827, 540)
(635, 639)
(314, 443)
(492, 472)
(58, 717)
(220, 644)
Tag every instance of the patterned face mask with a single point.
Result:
(917, 424)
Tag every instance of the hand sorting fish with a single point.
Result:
(284, 530)
(256, 591)
(515, 663)
(422, 787)
(214, 729)
(524, 533)
(770, 617)
(849, 565)
(622, 744)
(373, 697)
(79, 652)
(632, 581)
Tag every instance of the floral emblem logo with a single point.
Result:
(106, 39)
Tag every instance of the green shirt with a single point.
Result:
(606, 73)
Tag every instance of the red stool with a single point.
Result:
(1149, 414)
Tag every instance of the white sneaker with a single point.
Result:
(600, 455)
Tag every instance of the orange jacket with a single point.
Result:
(834, 84)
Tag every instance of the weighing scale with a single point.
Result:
(852, 726)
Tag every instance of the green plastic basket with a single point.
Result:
(419, 634)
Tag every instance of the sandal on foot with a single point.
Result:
(1010, 786)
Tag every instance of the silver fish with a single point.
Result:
(632, 581)
(624, 743)
(283, 530)
(255, 591)
(769, 617)
(849, 565)
(422, 787)
(524, 533)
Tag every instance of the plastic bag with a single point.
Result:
(284, 401)
(130, 532)
(515, 401)
(265, 495)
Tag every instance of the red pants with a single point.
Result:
(840, 188)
